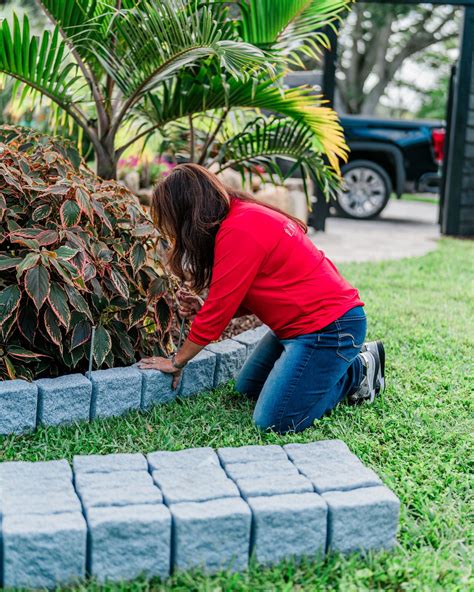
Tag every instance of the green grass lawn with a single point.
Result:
(419, 437)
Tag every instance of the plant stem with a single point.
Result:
(191, 138)
(210, 140)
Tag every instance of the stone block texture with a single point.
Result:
(43, 551)
(288, 526)
(212, 535)
(231, 356)
(156, 388)
(362, 519)
(64, 400)
(255, 453)
(274, 485)
(108, 463)
(183, 459)
(251, 338)
(126, 542)
(120, 516)
(195, 486)
(115, 391)
(198, 375)
(18, 403)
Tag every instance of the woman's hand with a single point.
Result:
(163, 365)
(189, 304)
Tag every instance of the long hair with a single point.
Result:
(188, 207)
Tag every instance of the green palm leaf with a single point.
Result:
(263, 140)
(39, 63)
(187, 95)
(290, 26)
(155, 39)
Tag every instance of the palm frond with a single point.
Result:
(155, 39)
(263, 141)
(188, 95)
(39, 63)
(292, 27)
(82, 22)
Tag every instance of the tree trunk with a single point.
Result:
(106, 162)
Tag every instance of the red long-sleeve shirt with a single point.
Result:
(264, 264)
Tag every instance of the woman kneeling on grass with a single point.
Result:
(256, 259)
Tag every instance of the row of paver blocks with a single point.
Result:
(113, 392)
(119, 516)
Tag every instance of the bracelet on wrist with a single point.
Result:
(175, 363)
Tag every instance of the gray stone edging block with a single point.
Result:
(115, 391)
(156, 388)
(44, 502)
(126, 542)
(316, 451)
(43, 550)
(44, 470)
(251, 338)
(108, 463)
(213, 509)
(288, 526)
(182, 459)
(252, 453)
(273, 485)
(64, 400)
(198, 375)
(362, 519)
(231, 356)
(18, 406)
(195, 486)
(130, 495)
(117, 479)
(212, 535)
(260, 469)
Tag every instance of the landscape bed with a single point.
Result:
(417, 438)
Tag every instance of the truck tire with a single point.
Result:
(366, 190)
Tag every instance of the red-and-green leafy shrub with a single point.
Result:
(75, 251)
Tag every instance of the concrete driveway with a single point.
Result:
(404, 229)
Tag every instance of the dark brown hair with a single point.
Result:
(188, 207)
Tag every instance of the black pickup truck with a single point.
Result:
(388, 156)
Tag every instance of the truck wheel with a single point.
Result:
(365, 191)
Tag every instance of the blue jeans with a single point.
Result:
(298, 380)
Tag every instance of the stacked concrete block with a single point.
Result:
(129, 527)
(330, 465)
(211, 536)
(289, 519)
(43, 530)
(115, 391)
(362, 519)
(194, 485)
(18, 402)
(231, 356)
(192, 475)
(197, 458)
(198, 375)
(64, 400)
(251, 338)
(189, 509)
(156, 388)
(288, 526)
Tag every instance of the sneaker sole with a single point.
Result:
(381, 356)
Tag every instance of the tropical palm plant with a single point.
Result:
(146, 65)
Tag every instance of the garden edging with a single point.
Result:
(120, 516)
(115, 391)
